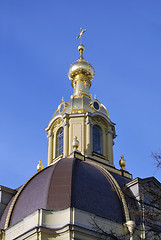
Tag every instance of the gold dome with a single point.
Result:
(81, 67)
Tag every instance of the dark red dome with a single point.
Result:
(68, 183)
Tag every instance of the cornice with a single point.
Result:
(142, 181)
(79, 115)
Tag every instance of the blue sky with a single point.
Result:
(37, 45)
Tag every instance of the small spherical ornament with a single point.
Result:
(40, 166)
(122, 162)
(75, 143)
(81, 48)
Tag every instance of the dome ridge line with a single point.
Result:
(56, 164)
(74, 163)
(60, 180)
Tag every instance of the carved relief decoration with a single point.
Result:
(99, 120)
(57, 122)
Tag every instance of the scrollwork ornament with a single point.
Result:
(57, 122)
(100, 120)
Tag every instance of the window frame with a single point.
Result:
(97, 139)
(60, 142)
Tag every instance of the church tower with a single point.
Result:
(82, 118)
(80, 189)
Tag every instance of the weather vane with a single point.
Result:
(80, 35)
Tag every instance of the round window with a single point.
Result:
(96, 105)
(62, 106)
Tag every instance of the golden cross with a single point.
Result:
(80, 35)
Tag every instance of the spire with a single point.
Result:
(81, 72)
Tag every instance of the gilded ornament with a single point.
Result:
(74, 84)
(81, 34)
(122, 163)
(39, 166)
(82, 71)
(106, 110)
(85, 84)
(55, 113)
(95, 105)
(57, 122)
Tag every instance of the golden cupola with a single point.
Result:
(81, 72)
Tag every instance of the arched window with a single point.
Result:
(97, 139)
(59, 142)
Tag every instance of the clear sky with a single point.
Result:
(37, 45)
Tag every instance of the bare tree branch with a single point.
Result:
(157, 157)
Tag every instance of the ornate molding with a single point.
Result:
(99, 119)
(50, 124)
(57, 122)
(94, 114)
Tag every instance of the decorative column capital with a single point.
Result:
(88, 114)
(88, 122)
(66, 115)
(50, 135)
(65, 124)
(109, 131)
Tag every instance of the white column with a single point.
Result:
(54, 146)
(66, 138)
(104, 142)
(109, 148)
(50, 148)
(88, 136)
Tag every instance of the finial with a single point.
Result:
(122, 163)
(40, 166)
(95, 96)
(75, 143)
(62, 99)
(80, 35)
(81, 46)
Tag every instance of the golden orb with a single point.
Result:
(81, 67)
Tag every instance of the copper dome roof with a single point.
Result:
(68, 183)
